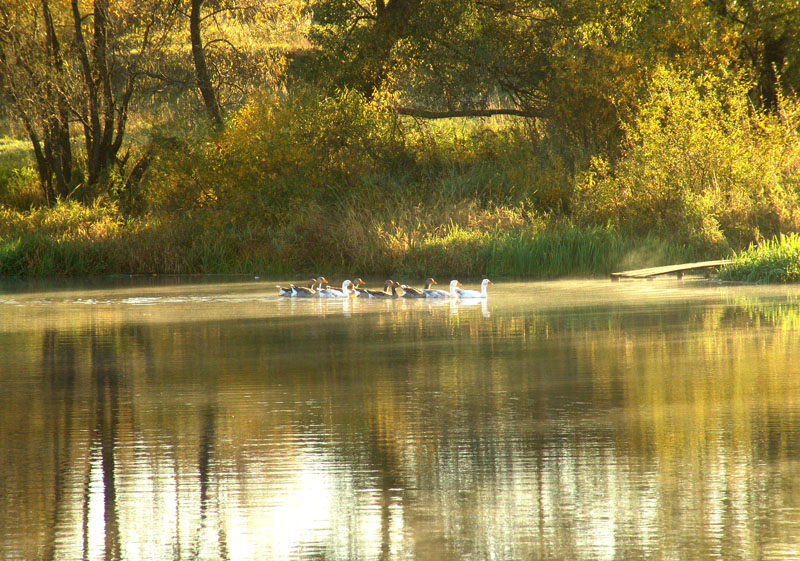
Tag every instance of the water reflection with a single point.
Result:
(657, 422)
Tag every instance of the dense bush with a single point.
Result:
(273, 158)
(341, 182)
(702, 166)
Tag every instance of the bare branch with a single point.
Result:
(221, 40)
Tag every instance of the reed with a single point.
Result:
(776, 260)
(37, 255)
(570, 251)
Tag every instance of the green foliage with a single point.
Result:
(687, 159)
(701, 167)
(18, 180)
(548, 59)
(772, 261)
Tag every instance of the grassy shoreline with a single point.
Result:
(300, 183)
(72, 239)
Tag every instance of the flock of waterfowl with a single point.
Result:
(318, 288)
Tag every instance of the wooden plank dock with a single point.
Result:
(677, 270)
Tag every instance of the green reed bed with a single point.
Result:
(550, 254)
(569, 251)
(771, 261)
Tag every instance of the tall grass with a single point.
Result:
(502, 242)
(68, 239)
(18, 179)
(569, 251)
(773, 261)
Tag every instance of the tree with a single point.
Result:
(234, 48)
(363, 35)
(77, 63)
(28, 62)
(536, 59)
(767, 35)
(201, 67)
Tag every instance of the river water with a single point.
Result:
(158, 419)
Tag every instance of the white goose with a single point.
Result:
(474, 293)
(336, 293)
(454, 284)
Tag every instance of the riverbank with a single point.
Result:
(73, 239)
(301, 183)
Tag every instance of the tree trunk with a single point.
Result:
(773, 60)
(92, 124)
(201, 68)
(100, 50)
(42, 165)
(392, 23)
(104, 126)
(56, 141)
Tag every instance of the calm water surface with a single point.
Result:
(165, 419)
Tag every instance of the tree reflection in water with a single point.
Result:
(514, 429)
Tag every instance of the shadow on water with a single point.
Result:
(519, 429)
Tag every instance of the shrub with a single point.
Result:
(274, 157)
(702, 166)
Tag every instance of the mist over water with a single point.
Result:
(171, 418)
